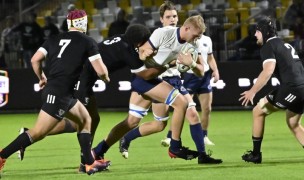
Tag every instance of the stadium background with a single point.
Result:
(228, 22)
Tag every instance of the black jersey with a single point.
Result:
(289, 69)
(66, 55)
(116, 53)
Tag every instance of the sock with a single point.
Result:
(169, 135)
(205, 132)
(133, 134)
(175, 145)
(82, 160)
(22, 141)
(84, 140)
(257, 142)
(101, 148)
(197, 136)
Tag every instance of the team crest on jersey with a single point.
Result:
(270, 97)
(183, 88)
(61, 112)
(280, 105)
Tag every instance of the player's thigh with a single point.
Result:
(139, 100)
(205, 99)
(160, 92)
(78, 113)
(43, 125)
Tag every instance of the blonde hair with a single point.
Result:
(196, 21)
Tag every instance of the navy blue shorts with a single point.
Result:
(141, 86)
(198, 85)
(176, 82)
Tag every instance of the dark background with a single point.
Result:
(22, 96)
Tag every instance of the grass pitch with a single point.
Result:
(57, 157)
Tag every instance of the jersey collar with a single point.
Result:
(178, 36)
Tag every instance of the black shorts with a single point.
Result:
(286, 97)
(57, 105)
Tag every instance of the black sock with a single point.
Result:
(22, 141)
(257, 142)
(84, 140)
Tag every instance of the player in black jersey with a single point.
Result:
(282, 60)
(65, 56)
(117, 52)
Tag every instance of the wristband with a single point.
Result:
(193, 65)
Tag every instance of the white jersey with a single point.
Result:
(204, 47)
(167, 42)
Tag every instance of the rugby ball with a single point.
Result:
(187, 48)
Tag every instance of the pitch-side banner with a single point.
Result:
(20, 88)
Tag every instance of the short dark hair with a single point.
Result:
(167, 5)
(137, 34)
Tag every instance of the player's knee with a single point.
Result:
(192, 115)
(160, 118)
(137, 111)
(160, 126)
(206, 110)
(265, 107)
(132, 121)
(173, 97)
(69, 126)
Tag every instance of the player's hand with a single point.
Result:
(42, 82)
(216, 76)
(105, 78)
(147, 53)
(185, 59)
(247, 97)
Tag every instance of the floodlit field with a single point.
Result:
(57, 157)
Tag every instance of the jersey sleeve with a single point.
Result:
(93, 51)
(156, 37)
(210, 50)
(44, 48)
(267, 52)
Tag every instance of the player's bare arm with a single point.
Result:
(36, 61)
(146, 51)
(212, 63)
(101, 69)
(265, 75)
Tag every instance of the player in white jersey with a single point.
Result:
(201, 85)
(169, 18)
(160, 91)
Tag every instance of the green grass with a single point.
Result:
(57, 157)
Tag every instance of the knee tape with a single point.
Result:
(137, 111)
(172, 96)
(191, 104)
(158, 118)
